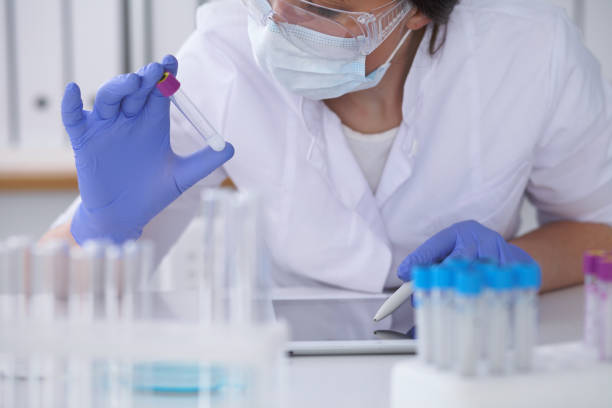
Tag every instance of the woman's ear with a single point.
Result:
(417, 20)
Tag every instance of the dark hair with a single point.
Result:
(439, 12)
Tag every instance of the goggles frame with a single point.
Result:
(374, 25)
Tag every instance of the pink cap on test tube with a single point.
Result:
(168, 85)
(604, 270)
(591, 260)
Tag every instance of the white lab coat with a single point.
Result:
(513, 105)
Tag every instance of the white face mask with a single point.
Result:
(308, 75)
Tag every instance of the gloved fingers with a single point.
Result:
(491, 248)
(158, 103)
(516, 254)
(73, 117)
(191, 169)
(170, 64)
(462, 252)
(133, 103)
(434, 250)
(110, 95)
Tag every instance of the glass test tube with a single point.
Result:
(604, 275)
(231, 284)
(590, 263)
(48, 280)
(113, 271)
(498, 300)
(129, 280)
(528, 281)
(7, 309)
(85, 277)
(169, 86)
(422, 281)
(86, 271)
(17, 266)
(467, 299)
(48, 290)
(443, 277)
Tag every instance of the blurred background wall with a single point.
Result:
(44, 44)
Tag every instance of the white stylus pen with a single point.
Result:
(394, 301)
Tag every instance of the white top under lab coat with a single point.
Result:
(512, 105)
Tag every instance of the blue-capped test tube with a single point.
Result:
(421, 276)
(528, 280)
(170, 87)
(467, 300)
(442, 291)
(498, 312)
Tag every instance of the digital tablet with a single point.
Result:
(329, 326)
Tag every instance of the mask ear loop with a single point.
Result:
(397, 48)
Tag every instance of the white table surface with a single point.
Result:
(364, 381)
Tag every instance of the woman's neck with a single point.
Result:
(379, 109)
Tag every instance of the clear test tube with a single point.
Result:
(213, 283)
(113, 271)
(244, 261)
(47, 302)
(17, 260)
(498, 301)
(7, 297)
(604, 275)
(422, 281)
(442, 294)
(169, 86)
(528, 281)
(86, 275)
(129, 280)
(590, 262)
(48, 281)
(7, 310)
(467, 299)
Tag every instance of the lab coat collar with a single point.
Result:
(329, 153)
(398, 168)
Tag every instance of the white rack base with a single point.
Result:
(564, 375)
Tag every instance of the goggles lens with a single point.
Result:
(342, 33)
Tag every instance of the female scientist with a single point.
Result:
(380, 134)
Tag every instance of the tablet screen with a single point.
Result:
(342, 319)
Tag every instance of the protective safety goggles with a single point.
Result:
(326, 31)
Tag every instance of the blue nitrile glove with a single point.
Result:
(466, 240)
(126, 169)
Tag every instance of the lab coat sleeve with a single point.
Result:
(571, 177)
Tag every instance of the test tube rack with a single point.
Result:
(563, 375)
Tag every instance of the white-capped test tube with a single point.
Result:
(442, 294)
(604, 275)
(590, 262)
(422, 280)
(528, 280)
(498, 313)
(468, 297)
(169, 86)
